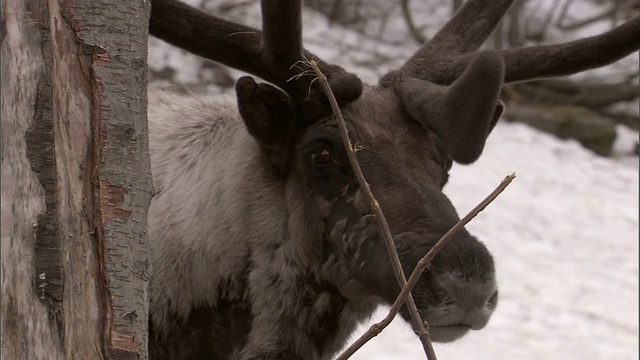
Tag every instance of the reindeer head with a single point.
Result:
(437, 108)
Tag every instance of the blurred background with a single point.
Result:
(565, 233)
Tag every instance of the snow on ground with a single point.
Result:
(564, 234)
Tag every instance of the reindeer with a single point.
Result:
(262, 243)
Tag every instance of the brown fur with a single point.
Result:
(251, 263)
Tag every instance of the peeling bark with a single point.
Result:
(76, 181)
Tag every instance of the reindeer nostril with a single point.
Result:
(493, 300)
(476, 319)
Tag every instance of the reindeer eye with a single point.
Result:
(320, 157)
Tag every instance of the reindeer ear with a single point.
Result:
(497, 113)
(270, 117)
(463, 113)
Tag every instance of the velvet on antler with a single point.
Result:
(461, 114)
(464, 116)
(270, 54)
(450, 57)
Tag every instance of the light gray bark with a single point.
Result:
(76, 179)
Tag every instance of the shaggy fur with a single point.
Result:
(250, 263)
(262, 243)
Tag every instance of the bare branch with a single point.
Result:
(563, 12)
(423, 264)
(515, 36)
(615, 8)
(375, 206)
(406, 13)
(538, 35)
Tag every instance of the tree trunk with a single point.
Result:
(76, 181)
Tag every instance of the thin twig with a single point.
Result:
(418, 323)
(423, 264)
(406, 13)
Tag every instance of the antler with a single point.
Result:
(269, 54)
(463, 113)
(449, 52)
(439, 59)
(537, 62)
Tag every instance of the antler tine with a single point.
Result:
(466, 31)
(208, 36)
(282, 30)
(536, 62)
(268, 55)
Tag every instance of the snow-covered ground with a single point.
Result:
(564, 234)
